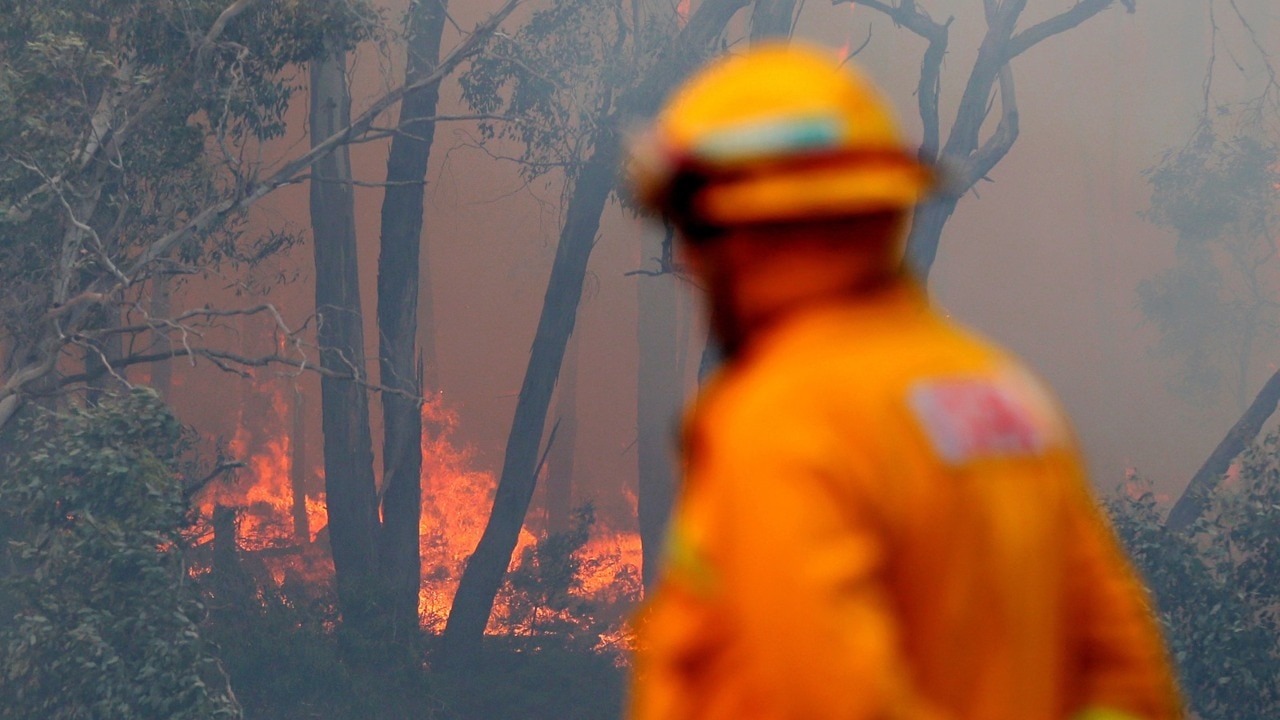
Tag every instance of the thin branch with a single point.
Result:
(287, 174)
(1068, 19)
(190, 491)
(906, 15)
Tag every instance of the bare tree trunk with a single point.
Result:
(926, 232)
(559, 486)
(298, 470)
(658, 400)
(1195, 498)
(771, 19)
(483, 575)
(161, 370)
(100, 357)
(473, 602)
(399, 281)
(348, 449)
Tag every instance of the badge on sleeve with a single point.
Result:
(967, 418)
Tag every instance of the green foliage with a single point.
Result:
(122, 120)
(100, 619)
(559, 78)
(1213, 307)
(1216, 587)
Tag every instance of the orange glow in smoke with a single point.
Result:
(682, 11)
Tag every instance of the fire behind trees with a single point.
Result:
(131, 153)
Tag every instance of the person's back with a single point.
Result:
(882, 516)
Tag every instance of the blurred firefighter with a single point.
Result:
(881, 516)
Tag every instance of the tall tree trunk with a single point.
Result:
(771, 19)
(926, 231)
(351, 498)
(473, 602)
(483, 575)
(298, 474)
(658, 399)
(398, 301)
(559, 485)
(161, 370)
(1195, 498)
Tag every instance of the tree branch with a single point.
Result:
(1195, 498)
(907, 15)
(1005, 135)
(287, 174)
(1034, 35)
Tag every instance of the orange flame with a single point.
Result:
(456, 500)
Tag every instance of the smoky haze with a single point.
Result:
(1046, 258)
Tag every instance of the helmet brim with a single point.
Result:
(814, 193)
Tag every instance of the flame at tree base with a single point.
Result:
(579, 584)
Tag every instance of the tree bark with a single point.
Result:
(348, 448)
(926, 232)
(559, 486)
(298, 471)
(399, 280)
(1195, 498)
(658, 399)
(771, 19)
(483, 575)
(161, 302)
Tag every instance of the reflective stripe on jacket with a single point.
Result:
(884, 517)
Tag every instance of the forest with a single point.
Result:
(340, 376)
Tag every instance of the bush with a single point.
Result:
(100, 620)
(1215, 587)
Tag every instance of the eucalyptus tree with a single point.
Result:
(965, 154)
(1215, 309)
(400, 305)
(126, 131)
(374, 530)
(572, 77)
(131, 147)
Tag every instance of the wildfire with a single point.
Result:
(281, 521)
(682, 11)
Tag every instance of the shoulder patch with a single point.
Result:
(966, 418)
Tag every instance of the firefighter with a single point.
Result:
(881, 515)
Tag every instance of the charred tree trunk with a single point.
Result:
(658, 401)
(348, 449)
(559, 486)
(1195, 498)
(483, 575)
(298, 471)
(398, 282)
(231, 578)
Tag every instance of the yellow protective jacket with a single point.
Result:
(885, 517)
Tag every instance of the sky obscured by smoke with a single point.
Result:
(1046, 258)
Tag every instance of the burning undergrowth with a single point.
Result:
(261, 531)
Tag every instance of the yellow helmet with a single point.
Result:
(776, 134)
